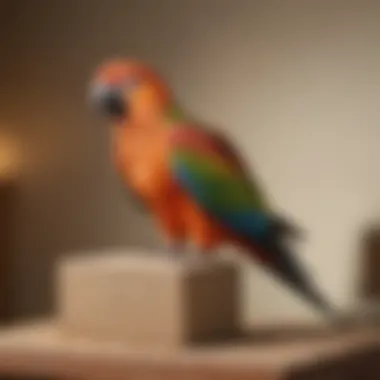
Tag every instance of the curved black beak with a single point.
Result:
(109, 100)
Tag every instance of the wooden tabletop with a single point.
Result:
(39, 349)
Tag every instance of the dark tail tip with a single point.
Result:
(316, 300)
(285, 228)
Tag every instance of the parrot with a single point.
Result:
(190, 177)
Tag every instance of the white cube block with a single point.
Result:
(141, 299)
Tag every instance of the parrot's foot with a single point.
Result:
(176, 252)
(197, 258)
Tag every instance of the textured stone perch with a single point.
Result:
(147, 300)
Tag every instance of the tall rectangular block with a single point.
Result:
(147, 300)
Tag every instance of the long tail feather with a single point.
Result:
(280, 261)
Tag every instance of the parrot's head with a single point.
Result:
(129, 91)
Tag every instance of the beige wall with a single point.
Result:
(295, 82)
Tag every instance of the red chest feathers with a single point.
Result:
(142, 160)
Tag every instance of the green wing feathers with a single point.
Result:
(217, 167)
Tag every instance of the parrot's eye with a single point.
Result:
(114, 105)
(110, 100)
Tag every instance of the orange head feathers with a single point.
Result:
(130, 91)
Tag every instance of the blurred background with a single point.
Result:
(296, 84)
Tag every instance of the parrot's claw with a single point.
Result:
(176, 252)
(194, 258)
(197, 258)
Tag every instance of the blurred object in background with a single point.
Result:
(8, 190)
(369, 287)
(9, 159)
(9, 170)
